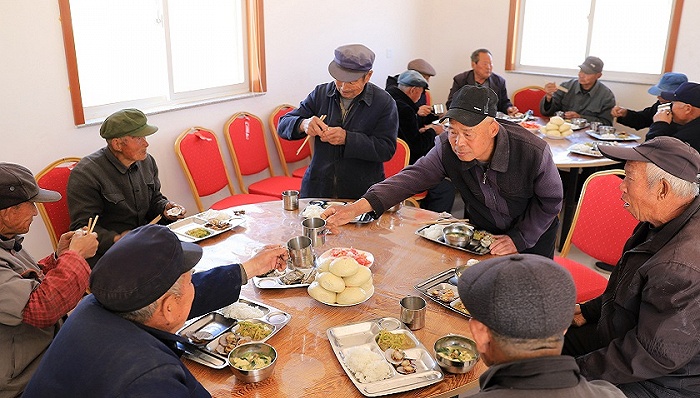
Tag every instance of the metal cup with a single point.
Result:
(560, 114)
(315, 229)
(413, 312)
(438, 109)
(594, 126)
(290, 200)
(301, 253)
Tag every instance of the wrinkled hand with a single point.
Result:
(334, 136)
(578, 320)
(313, 126)
(268, 258)
(172, 205)
(618, 111)
(337, 215)
(513, 110)
(665, 116)
(571, 115)
(80, 241)
(502, 245)
(425, 110)
(549, 89)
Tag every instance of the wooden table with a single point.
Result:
(306, 363)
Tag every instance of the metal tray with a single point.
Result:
(445, 279)
(206, 354)
(181, 227)
(361, 219)
(207, 328)
(471, 247)
(274, 282)
(362, 334)
(629, 137)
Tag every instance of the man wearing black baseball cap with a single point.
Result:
(120, 341)
(505, 175)
(353, 123)
(642, 333)
(682, 121)
(34, 296)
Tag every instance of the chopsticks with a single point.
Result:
(323, 117)
(155, 220)
(449, 221)
(563, 89)
(91, 224)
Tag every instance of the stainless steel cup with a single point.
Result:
(413, 312)
(560, 114)
(315, 229)
(290, 200)
(594, 126)
(438, 109)
(301, 253)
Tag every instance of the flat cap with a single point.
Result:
(351, 62)
(17, 185)
(412, 78)
(126, 122)
(421, 66)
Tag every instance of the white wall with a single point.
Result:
(35, 111)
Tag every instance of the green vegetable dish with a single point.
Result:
(386, 339)
(251, 361)
(198, 233)
(456, 353)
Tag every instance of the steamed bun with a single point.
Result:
(344, 266)
(319, 293)
(325, 264)
(331, 282)
(351, 295)
(362, 275)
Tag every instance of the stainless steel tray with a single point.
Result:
(443, 280)
(199, 221)
(361, 219)
(207, 354)
(274, 282)
(362, 334)
(471, 247)
(627, 137)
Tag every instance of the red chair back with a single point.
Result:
(55, 214)
(246, 141)
(286, 149)
(399, 160)
(528, 98)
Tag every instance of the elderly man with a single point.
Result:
(505, 175)
(119, 182)
(357, 135)
(683, 119)
(520, 307)
(482, 75)
(584, 97)
(642, 119)
(34, 297)
(425, 111)
(642, 334)
(120, 341)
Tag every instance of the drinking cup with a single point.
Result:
(560, 114)
(438, 109)
(315, 229)
(301, 253)
(290, 200)
(413, 312)
(594, 126)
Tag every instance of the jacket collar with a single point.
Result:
(668, 230)
(396, 91)
(11, 244)
(533, 374)
(116, 163)
(501, 151)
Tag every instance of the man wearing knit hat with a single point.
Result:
(642, 333)
(682, 120)
(353, 124)
(642, 119)
(521, 306)
(119, 182)
(34, 296)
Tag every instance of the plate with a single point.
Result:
(471, 247)
(201, 223)
(585, 149)
(610, 137)
(360, 254)
(348, 305)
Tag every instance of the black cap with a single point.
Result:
(471, 105)
(17, 185)
(143, 265)
(521, 296)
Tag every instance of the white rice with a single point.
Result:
(312, 211)
(433, 232)
(240, 310)
(367, 365)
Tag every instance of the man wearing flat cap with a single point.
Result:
(521, 306)
(643, 119)
(682, 121)
(505, 175)
(34, 296)
(120, 341)
(642, 333)
(425, 111)
(119, 182)
(353, 124)
(584, 97)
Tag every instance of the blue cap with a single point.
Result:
(351, 62)
(687, 92)
(669, 82)
(412, 78)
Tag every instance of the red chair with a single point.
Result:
(287, 149)
(55, 214)
(528, 98)
(246, 142)
(198, 151)
(600, 228)
(397, 162)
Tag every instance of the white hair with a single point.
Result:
(679, 186)
(144, 314)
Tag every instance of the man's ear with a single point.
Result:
(167, 307)
(481, 335)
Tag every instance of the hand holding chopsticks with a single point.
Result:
(322, 118)
(91, 224)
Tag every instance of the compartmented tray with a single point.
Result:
(324, 204)
(473, 246)
(214, 332)
(613, 137)
(276, 281)
(361, 336)
(204, 225)
(437, 288)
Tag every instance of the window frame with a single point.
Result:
(256, 65)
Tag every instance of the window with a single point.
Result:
(554, 36)
(157, 55)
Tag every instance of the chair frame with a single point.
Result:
(50, 228)
(278, 143)
(536, 111)
(232, 151)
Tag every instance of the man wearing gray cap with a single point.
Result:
(354, 126)
(505, 175)
(642, 333)
(425, 111)
(642, 119)
(584, 97)
(120, 341)
(34, 296)
(521, 306)
(119, 182)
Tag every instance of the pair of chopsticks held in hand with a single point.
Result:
(91, 224)
(322, 118)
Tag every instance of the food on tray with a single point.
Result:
(446, 294)
(407, 366)
(240, 310)
(394, 356)
(254, 330)
(297, 277)
(198, 233)
(218, 225)
(385, 339)
(531, 125)
(251, 361)
(345, 282)
(229, 341)
(312, 211)
(557, 128)
(459, 306)
(456, 353)
(366, 365)
(360, 257)
(433, 232)
(174, 211)
(484, 238)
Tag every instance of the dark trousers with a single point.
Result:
(440, 198)
(545, 245)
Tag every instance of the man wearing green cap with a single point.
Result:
(119, 182)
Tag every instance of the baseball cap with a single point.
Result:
(412, 78)
(131, 122)
(421, 66)
(687, 92)
(591, 65)
(471, 104)
(520, 296)
(143, 265)
(668, 82)
(351, 62)
(670, 154)
(17, 185)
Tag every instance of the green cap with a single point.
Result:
(125, 122)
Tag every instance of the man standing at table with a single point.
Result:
(584, 97)
(357, 135)
(642, 119)
(642, 333)
(505, 175)
(682, 121)
(482, 75)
